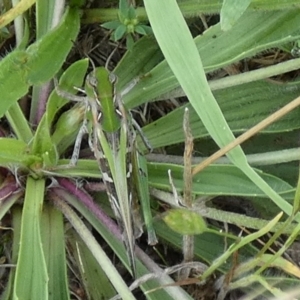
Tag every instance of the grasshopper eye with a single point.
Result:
(92, 81)
(113, 78)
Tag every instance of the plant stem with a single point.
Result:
(242, 78)
(259, 159)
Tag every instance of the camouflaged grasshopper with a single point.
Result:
(112, 138)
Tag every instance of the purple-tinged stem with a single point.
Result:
(88, 201)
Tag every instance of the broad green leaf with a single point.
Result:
(16, 152)
(261, 98)
(13, 73)
(20, 69)
(231, 11)
(123, 9)
(184, 221)
(140, 29)
(215, 180)
(111, 25)
(55, 44)
(31, 258)
(120, 31)
(131, 13)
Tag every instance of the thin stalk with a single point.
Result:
(258, 159)
(225, 216)
(189, 9)
(234, 80)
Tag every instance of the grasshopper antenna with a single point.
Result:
(110, 56)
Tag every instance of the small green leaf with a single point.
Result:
(42, 144)
(123, 10)
(143, 29)
(67, 127)
(131, 13)
(69, 122)
(120, 32)
(129, 42)
(184, 221)
(113, 25)
(72, 77)
(140, 29)
(147, 29)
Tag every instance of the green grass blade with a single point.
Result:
(16, 212)
(141, 180)
(204, 183)
(31, 281)
(243, 241)
(45, 12)
(94, 279)
(53, 239)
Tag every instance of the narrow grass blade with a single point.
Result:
(31, 281)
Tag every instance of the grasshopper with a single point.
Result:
(113, 142)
